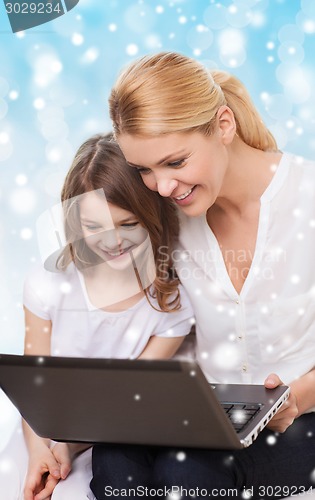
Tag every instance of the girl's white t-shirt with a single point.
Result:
(270, 326)
(79, 329)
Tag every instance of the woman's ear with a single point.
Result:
(226, 124)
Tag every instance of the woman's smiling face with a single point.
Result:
(187, 167)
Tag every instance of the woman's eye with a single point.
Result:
(177, 163)
(143, 170)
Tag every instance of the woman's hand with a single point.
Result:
(43, 474)
(288, 412)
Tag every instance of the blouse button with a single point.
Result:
(244, 367)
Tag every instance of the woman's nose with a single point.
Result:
(166, 187)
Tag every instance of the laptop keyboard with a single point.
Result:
(240, 414)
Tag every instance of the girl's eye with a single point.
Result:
(130, 225)
(177, 163)
(92, 228)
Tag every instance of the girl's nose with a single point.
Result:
(166, 186)
(111, 239)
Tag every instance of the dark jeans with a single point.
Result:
(273, 467)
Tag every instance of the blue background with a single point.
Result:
(55, 80)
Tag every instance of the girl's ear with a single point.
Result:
(226, 124)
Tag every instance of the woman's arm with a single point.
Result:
(301, 399)
(304, 390)
(161, 347)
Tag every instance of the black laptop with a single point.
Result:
(135, 401)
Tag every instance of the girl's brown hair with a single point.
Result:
(169, 92)
(99, 164)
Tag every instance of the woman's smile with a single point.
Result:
(185, 198)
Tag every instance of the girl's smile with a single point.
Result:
(111, 232)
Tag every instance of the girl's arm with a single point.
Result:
(37, 334)
(161, 347)
(44, 471)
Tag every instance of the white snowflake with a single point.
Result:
(132, 49)
(181, 456)
(271, 440)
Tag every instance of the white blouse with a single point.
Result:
(270, 325)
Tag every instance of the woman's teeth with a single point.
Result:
(183, 196)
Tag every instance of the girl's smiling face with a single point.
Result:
(111, 232)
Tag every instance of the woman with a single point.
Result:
(246, 256)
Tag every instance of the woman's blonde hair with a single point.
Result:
(169, 92)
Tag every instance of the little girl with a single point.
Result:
(110, 293)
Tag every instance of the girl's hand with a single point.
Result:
(288, 412)
(43, 474)
(64, 457)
